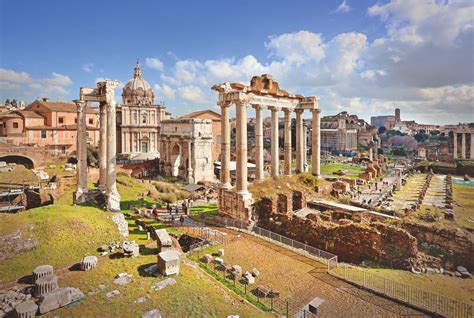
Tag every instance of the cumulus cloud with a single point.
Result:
(164, 91)
(87, 67)
(154, 63)
(343, 7)
(22, 85)
(192, 94)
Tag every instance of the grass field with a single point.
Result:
(20, 175)
(464, 205)
(351, 171)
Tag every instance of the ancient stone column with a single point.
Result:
(275, 151)
(371, 154)
(305, 148)
(455, 144)
(316, 143)
(472, 147)
(103, 148)
(259, 142)
(463, 145)
(299, 141)
(113, 197)
(287, 144)
(225, 147)
(241, 142)
(190, 163)
(81, 152)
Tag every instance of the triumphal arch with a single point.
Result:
(104, 94)
(263, 93)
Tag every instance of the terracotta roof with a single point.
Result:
(200, 112)
(63, 107)
(10, 115)
(29, 114)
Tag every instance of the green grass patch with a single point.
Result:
(350, 170)
(463, 196)
(208, 209)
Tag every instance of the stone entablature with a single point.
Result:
(464, 130)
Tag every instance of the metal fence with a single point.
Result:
(268, 301)
(434, 303)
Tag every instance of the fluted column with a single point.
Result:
(275, 148)
(113, 197)
(463, 145)
(287, 144)
(103, 148)
(299, 141)
(225, 147)
(81, 152)
(472, 147)
(455, 144)
(241, 143)
(259, 142)
(190, 162)
(316, 143)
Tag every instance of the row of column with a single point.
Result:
(107, 154)
(241, 144)
(463, 145)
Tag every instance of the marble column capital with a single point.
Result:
(274, 108)
(80, 104)
(316, 110)
(257, 106)
(299, 111)
(223, 104)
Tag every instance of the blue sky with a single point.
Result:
(365, 57)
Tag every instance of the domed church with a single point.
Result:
(139, 118)
(145, 131)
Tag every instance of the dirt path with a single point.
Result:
(301, 279)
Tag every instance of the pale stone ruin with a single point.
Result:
(88, 263)
(168, 258)
(104, 94)
(262, 93)
(19, 303)
(464, 130)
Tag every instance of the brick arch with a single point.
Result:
(19, 159)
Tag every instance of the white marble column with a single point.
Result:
(305, 149)
(103, 148)
(299, 141)
(472, 147)
(259, 143)
(81, 153)
(455, 144)
(113, 197)
(190, 162)
(275, 148)
(287, 144)
(316, 143)
(225, 147)
(463, 145)
(241, 142)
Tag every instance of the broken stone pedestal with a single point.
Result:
(249, 278)
(45, 285)
(26, 310)
(42, 271)
(168, 263)
(59, 298)
(88, 263)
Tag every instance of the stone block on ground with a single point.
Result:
(26, 309)
(220, 252)
(123, 279)
(131, 248)
(255, 272)
(45, 285)
(249, 278)
(112, 293)
(164, 283)
(152, 314)
(206, 259)
(88, 263)
(50, 302)
(218, 260)
(41, 271)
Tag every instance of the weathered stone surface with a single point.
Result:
(121, 223)
(9, 299)
(45, 285)
(220, 252)
(164, 283)
(219, 260)
(123, 279)
(59, 298)
(112, 293)
(152, 314)
(255, 272)
(26, 309)
(207, 258)
(249, 278)
(14, 243)
(41, 271)
(130, 248)
(88, 263)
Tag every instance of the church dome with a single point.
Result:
(137, 91)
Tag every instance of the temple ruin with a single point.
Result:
(262, 93)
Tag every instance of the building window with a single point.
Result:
(4, 124)
(15, 125)
(63, 150)
(61, 120)
(144, 119)
(43, 134)
(91, 121)
(75, 120)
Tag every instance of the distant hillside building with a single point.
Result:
(388, 121)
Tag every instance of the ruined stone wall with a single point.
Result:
(455, 247)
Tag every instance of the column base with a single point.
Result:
(190, 177)
(113, 201)
(80, 196)
(226, 186)
(236, 205)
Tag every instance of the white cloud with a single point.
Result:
(87, 67)
(22, 85)
(343, 7)
(192, 94)
(154, 63)
(297, 47)
(164, 91)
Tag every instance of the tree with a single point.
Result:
(7, 102)
(382, 130)
(421, 137)
(13, 103)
